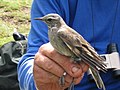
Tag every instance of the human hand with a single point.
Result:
(49, 66)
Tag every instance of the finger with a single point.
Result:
(48, 65)
(68, 78)
(84, 66)
(43, 77)
(55, 69)
(77, 80)
(77, 70)
(45, 80)
(63, 61)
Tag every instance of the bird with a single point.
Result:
(18, 36)
(68, 42)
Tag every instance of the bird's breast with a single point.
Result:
(58, 44)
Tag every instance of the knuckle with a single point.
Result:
(52, 54)
(47, 50)
(38, 58)
(42, 48)
(36, 55)
(49, 65)
(85, 68)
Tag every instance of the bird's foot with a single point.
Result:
(62, 79)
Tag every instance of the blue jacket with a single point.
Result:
(79, 15)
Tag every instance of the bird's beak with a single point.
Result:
(39, 18)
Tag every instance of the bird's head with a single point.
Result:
(52, 20)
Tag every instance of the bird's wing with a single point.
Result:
(80, 47)
(70, 39)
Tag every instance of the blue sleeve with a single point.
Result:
(37, 37)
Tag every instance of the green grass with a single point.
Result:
(14, 14)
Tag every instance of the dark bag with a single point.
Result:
(10, 53)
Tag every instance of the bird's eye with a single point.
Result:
(49, 19)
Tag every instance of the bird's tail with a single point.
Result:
(97, 78)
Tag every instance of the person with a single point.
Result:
(41, 67)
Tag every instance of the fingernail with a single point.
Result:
(75, 69)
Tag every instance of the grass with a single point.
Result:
(14, 14)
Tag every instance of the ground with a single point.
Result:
(14, 14)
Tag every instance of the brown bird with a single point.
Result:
(68, 42)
